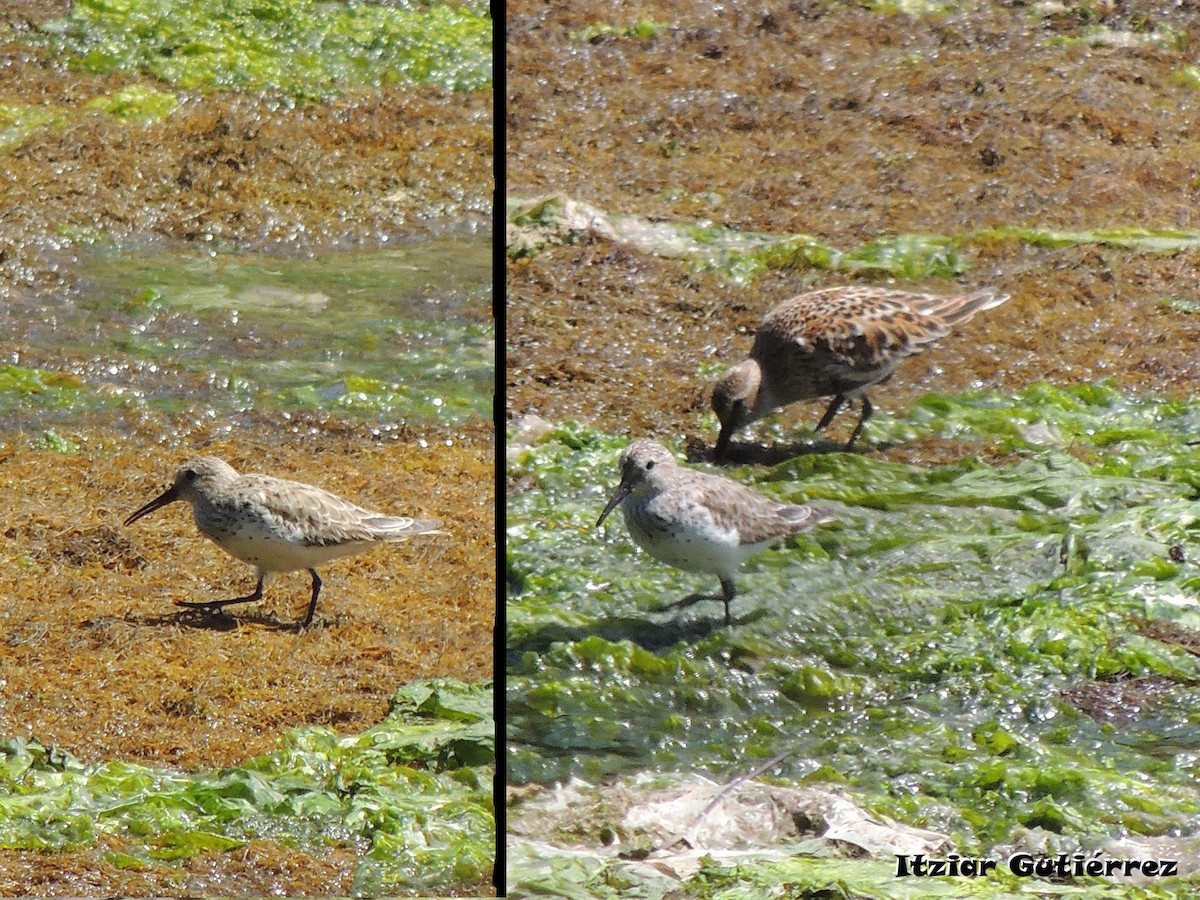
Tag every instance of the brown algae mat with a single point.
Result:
(101, 661)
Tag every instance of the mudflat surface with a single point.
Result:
(849, 124)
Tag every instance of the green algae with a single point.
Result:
(20, 386)
(52, 440)
(137, 103)
(301, 49)
(1151, 240)
(1181, 304)
(411, 796)
(134, 103)
(642, 29)
(1188, 76)
(797, 877)
(1163, 35)
(297, 48)
(913, 7)
(740, 254)
(918, 651)
(17, 123)
(744, 255)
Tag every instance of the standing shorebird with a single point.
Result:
(837, 342)
(699, 522)
(276, 525)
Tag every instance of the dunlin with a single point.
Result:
(699, 522)
(276, 525)
(836, 342)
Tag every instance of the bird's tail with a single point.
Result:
(956, 310)
(399, 528)
(802, 518)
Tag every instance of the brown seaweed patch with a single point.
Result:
(260, 869)
(1121, 699)
(1186, 639)
(133, 677)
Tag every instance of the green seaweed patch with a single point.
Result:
(597, 32)
(411, 796)
(1188, 76)
(449, 400)
(17, 123)
(916, 650)
(534, 225)
(743, 255)
(52, 440)
(913, 8)
(1181, 304)
(303, 49)
(1043, 415)
(1095, 35)
(806, 876)
(23, 388)
(136, 103)
(907, 256)
(1152, 240)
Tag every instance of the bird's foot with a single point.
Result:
(690, 600)
(211, 609)
(212, 606)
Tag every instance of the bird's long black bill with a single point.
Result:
(619, 494)
(167, 496)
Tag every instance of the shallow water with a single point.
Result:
(402, 335)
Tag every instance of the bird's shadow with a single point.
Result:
(214, 620)
(756, 453)
(646, 632)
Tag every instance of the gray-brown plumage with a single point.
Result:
(276, 525)
(835, 342)
(697, 521)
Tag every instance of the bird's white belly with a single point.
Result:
(693, 545)
(255, 541)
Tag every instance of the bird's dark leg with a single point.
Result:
(867, 409)
(727, 593)
(214, 605)
(689, 600)
(834, 405)
(312, 607)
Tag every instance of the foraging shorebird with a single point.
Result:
(697, 521)
(276, 525)
(835, 342)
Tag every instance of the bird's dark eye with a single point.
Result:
(189, 475)
(649, 464)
